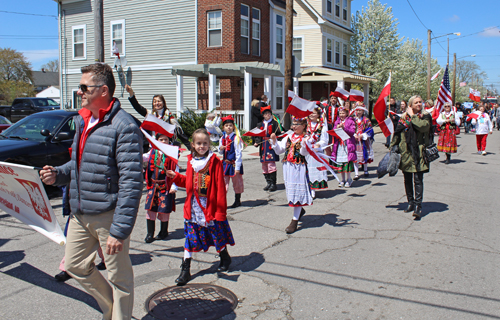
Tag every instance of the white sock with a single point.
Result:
(187, 254)
(348, 175)
(343, 176)
(365, 166)
(296, 212)
(355, 169)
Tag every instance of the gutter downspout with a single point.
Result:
(59, 9)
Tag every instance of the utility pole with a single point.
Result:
(428, 64)
(99, 30)
(454, 78)
(288, 57)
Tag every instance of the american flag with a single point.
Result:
(444, 94)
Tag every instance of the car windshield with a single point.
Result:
(4, 120)
(45, 103)
(30, 127)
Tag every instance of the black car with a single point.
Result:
(40, 139)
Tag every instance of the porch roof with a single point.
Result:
(236, 69)
(313, 74)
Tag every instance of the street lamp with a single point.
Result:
(471, 55)
(455, 74)
(429, 57)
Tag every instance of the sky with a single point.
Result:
(477, 21)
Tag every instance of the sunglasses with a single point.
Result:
(85, 87)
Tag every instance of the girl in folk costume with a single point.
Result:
(298, 190)
(267, 155)
(483, 127)
(318, 137)
(230, 146)
(344, 152)
(160, 199)
(449, 123)
(205, 208)
(364, 136)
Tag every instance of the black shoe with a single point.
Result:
(411, 207)
(447, 161)
(62, 276)
(366, 174)
(272, 178)
(302, 213)
(185, 275)
(101, 266)
(149, 238)
(225, 261)
(273, 188)
(163, 234)
(237, 200)
(356, 178)
(417, 214)
(150, 224)
(268, 180)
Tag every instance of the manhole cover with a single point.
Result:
(192, 301)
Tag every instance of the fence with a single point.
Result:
(238, 115)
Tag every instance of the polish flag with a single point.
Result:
(285, 134)
(436, 75)
(170, 151)
(300, 108)
(341, 93)
(474, 115)
(379, 110)
(356, 95)
(255, 132)
(291, 95)
(154, 124)
(474, 95)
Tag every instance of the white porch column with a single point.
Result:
(267, 87)
(340, 84)
(248, 100)
(366, 92)
(179, 94)
(212, 86)
(295, 86)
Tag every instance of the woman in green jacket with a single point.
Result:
(412, 135)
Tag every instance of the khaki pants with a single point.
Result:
(85, 234)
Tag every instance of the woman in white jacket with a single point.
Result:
(448, 122)
(483, 127)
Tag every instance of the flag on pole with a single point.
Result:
(255, 132)
(341, 93)
(285, 134)
(291, 95)
(152, 123)
(300, 108)
(474, 95)
(170, 151)
(474, 115)
(436, 75)
(379, 108)
(463, 84)
(444, 95)
(356, 95)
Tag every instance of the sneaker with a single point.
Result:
(313, 194)
(483, 153)
(348, 183)
(356, 178)
(341, 184)
(479, 152)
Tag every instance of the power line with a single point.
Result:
(416, 14)
(439, 43)
(30, 14)
(471, 34)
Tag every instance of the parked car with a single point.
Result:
(39, 139)
(4, 123)
(23, 107)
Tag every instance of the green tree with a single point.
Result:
(15, 75)
(52, 66)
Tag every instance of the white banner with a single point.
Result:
(22, 196)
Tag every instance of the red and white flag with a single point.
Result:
(285, 134)
(474, 115)
(341, 93)
(170, 151)
(379, 110)
(463, 84)
(152, 123)
(319, 157)
(356, 95)
(255, 132)
(291, 95)
(436, 75)
(300, 108)
(474, 95)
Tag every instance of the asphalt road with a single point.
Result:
(356, 254)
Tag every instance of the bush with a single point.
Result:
(190, 121)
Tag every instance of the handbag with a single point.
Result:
(431, 153)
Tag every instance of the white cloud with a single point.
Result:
(490, 32)
(40, 55)
(454, 18)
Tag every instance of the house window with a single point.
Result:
(279, 95)
(337, 52)
(337, 8)
(307, 91)
(215, 29)
(345, 10)
(255, 32)
(329, 6)
(117, 36)
(279, 37)
(245, 32)
(77, 100)
(297, 48)
(329, 51)
(344, 56)
(79, 35)
(217, 93)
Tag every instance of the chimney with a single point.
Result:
(43, 70)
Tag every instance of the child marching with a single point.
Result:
(205, 208)
(160, 199)
(318, 137)
(364, 136)
(230, 146)
(344, 151)
(298, 190)
(267, 155)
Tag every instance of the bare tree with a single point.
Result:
(469, 71)
(14, 66)
(52, 66)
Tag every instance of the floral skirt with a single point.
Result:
(344, 166)
(447, 141)
(200, 238)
